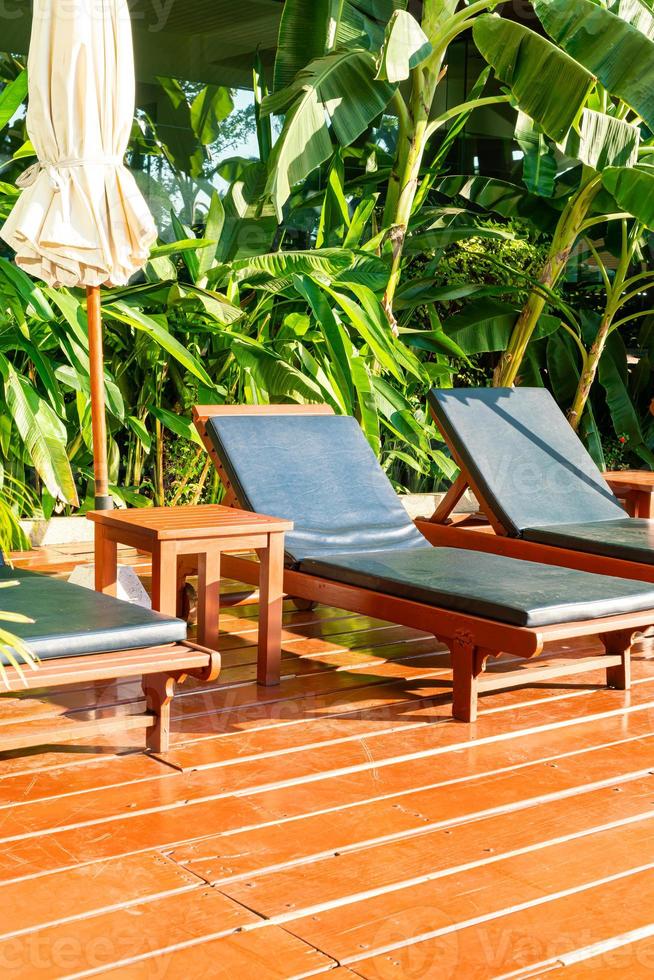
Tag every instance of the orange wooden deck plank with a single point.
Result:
(384, 865)
(221, 858)
(623, 958)
(425, 708)
(385, 715)
(77, 892)
(531, 939)
(164, 827)
(240, 709)
(122, 773)
(480, 892)
(112, 936)
(348, 772)
(268, 953)
(401, 832)
(25, 788)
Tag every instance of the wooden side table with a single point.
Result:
(170, 533)
(636, 489)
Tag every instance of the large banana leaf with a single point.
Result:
(73, 339)
(623, 414)
(369, 319)
(29, 291)
(42, 432)
(563, 368)
(214, 304)
(340, 88)
(337, 344)
(548, 85)
(539, 165)
(310, 28)
(431, 239)
(335, 213)
(326, 262)
(12, 97)
(363, 22)
(397, 412)
(500, 196)
(250, 223)
(302, 38)
(273, 374)
(615, 52)
(181, 146)
(603, 141)
(215, 223)
(633, 189)
(154, 328)
(209, 109)
(362, 378)
(176, 423)
(405, 46)
(488, 325)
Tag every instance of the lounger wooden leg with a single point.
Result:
(468, 662)
(619, 645)
(159, 690)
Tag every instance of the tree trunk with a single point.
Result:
(589, 372)
(567, 233)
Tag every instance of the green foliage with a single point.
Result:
(388, 274)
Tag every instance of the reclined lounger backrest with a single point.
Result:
(318, 471)
(523, 457)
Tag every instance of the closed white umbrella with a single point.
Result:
(81, 220)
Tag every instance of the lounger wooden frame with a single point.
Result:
(472, 640)
(161, 667)
(495, 538)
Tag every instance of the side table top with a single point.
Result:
(179, 523)
(631, 479)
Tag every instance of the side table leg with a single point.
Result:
(164, 578)
(638, 503)
(271, 596)
(106, 562)
(209, 598)
(643, 505)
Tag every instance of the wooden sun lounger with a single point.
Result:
(472, 639)
(498, 537)
(161, 668)
(71, 625)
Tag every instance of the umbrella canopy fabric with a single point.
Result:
(81, 220)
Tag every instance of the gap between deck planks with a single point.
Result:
(352, 772)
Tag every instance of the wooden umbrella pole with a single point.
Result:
(98, 417)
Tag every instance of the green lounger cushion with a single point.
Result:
(318, 471)
(631, 538)
(524, 457)
(492, 586)
(70, 621)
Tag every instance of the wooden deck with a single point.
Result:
(340, 824)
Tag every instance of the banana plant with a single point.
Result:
(615, 50)
(304, 325)
(394, 63)
(621, 289)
